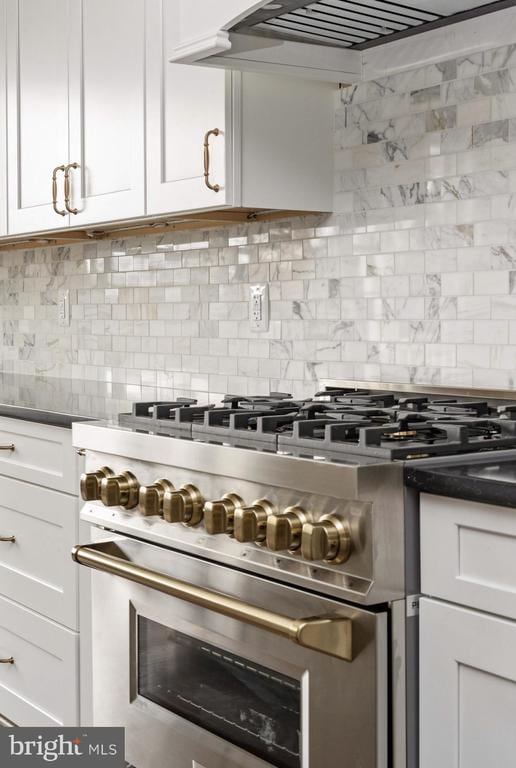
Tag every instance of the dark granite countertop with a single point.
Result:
(490, 479)
(59, 402)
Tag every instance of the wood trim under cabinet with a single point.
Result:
(146, 226)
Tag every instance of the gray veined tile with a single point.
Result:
(496, 132)
(442, 119)
(426, 97)
(500, 58)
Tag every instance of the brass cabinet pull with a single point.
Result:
(54, 189)
(7, 447)
(10, 660)
(330, 634)
(67, 188)
(214, 187)
(8, 538)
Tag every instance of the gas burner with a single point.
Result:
(178, 415)
(337, 421)
(400, 440)
(473, 407)
(257, 402)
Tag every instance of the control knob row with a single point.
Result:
(293, 530)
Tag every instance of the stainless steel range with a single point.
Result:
(265, 555)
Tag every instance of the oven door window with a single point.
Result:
(250, 706)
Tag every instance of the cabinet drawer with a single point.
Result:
(41, 687)
(37, 569)
(42, 454)
(468, 553)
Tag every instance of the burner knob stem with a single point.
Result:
(120, 490)
(328, 540)
(284, 531)
(90, 483)
(251, 522)
(219, 516)
(151, 497)
(183, 506)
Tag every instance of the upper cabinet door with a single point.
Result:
(3, 124)
(184, 103)
(37, 85)
(107, 103)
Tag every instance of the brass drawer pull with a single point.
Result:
(330, 634)
(7, 447)
(12, 539)
(54, 189)
(10, 660)
(214, 187)
(67, 187)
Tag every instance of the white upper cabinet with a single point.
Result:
(107, 110)
(3, 124)
(102, 127)
(183, 104)
(76, 111)
(37, 84)
(217, 138)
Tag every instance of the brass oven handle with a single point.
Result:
(12, 539)
(213, 187)
(5, 723)
(7, 447)
(330, 634)
(10, 660)
(67, 189)
(54, 189)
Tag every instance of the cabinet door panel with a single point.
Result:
(107, 109)
(468, 688)
(37, 81)
(183, 103)
(3, 124)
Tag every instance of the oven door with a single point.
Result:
(200, 677)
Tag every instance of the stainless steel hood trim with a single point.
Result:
(422, 389)
(285, 23)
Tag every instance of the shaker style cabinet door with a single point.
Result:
(107, 142)
(468, 688)
(184, 103)
(37, 101)
(3, 124)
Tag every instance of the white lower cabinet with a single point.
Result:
(468, 688)
(40, 687)
(39, 595)
(36, 569)
(467, 634)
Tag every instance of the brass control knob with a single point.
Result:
(150, 498)
(219, 516)
(120, 490)
(329, 540)
(251, 522)
(183, 506)
(90, 483)
(284, 531)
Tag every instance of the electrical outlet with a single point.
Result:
(259, 307)
(63, 308)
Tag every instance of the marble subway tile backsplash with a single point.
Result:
(411, 279)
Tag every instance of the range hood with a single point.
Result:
(322, 39)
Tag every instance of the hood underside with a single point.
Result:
(359, 24)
